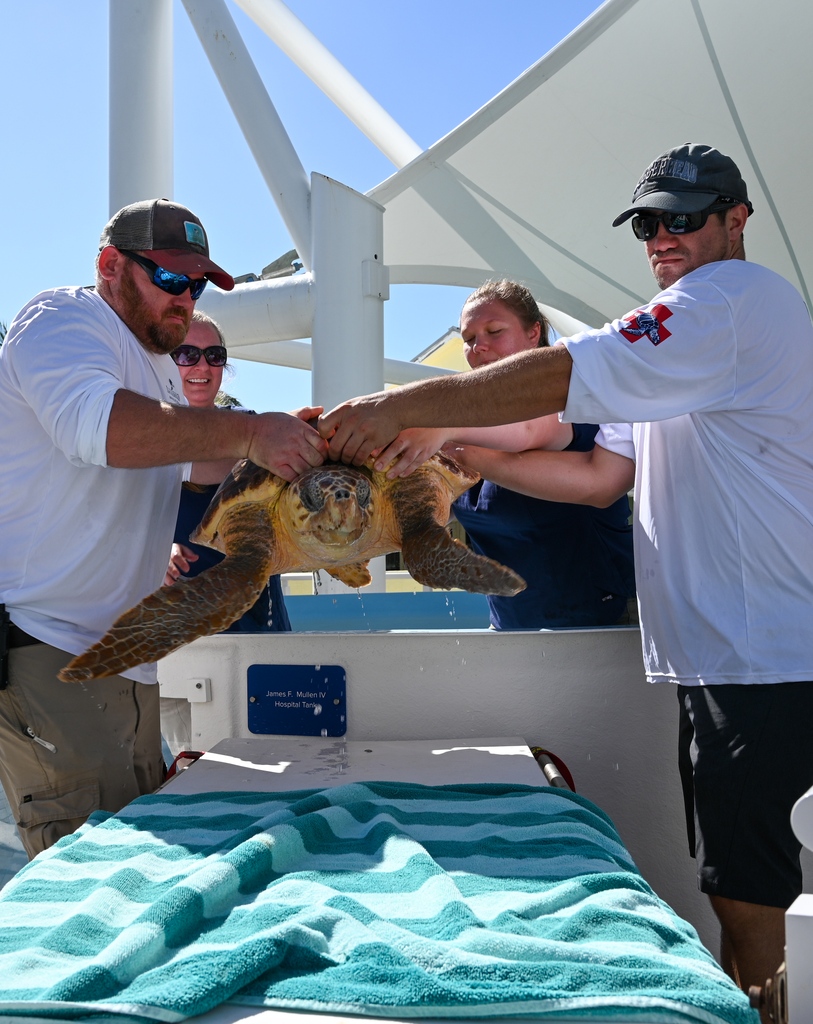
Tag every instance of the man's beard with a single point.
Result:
(153, 334)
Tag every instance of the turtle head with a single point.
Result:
(315, 492)
(330, 505)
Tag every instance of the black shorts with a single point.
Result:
(745, 754)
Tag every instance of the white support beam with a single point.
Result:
(298, 355)
(275, 314)
(140, 89)
(261, 311)
(352, 284)
(258, 119)
(324, 70)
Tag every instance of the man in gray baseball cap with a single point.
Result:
(713, 374)
(95, 434)
(168, 234)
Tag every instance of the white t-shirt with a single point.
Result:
(80, 542)
(715, 374)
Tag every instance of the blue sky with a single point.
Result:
(430, 63)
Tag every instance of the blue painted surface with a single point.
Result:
(404, 610)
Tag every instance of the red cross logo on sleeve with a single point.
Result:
(647, 323)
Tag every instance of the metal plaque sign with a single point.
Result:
(297, 700)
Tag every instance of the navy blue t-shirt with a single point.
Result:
(268, 614)
(577, 560)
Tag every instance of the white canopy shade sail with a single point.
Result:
(528, 186)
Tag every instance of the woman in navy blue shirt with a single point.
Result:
(576, 559)
(200, 361)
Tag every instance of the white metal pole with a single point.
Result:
(352, 285)
(324, 70)
(141, 123)
(266, 136)
(278, 313)
(262, 311)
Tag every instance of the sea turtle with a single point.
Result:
(332, 517)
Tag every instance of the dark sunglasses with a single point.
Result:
(189, 355)
(645, 225)
(175, 284)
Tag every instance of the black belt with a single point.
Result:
(19, 638)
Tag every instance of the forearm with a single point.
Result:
(597, 477)
(142, 432)
(413, 446)
(521, 387)
(542, 432)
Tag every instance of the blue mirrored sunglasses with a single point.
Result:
(175, 284)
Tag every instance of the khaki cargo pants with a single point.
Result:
(107, 742)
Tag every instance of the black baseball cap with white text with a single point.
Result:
(687, 179)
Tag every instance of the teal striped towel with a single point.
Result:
(379, 899)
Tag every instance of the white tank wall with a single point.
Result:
(581, 694)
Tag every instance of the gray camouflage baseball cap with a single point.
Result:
(167, 233)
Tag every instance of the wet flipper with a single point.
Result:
(356, 574)
(190, 608)
(169, 618)
(434, 558)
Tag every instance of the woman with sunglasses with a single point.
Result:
(201, 361)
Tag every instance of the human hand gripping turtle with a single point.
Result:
(181, 556)
(332, 516)
(359, 427)
(280, 448)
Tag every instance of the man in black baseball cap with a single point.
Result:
(687, 179)
(704, 398)
(95, 434)
(678, 192)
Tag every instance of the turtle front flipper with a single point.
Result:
(168, 619)
(190, 608)
(434, 558)
(431, 555)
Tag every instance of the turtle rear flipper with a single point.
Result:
(434, 558)
(169, 618)
(354, 574)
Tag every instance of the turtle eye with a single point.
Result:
(312, 496)
(363, 493)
